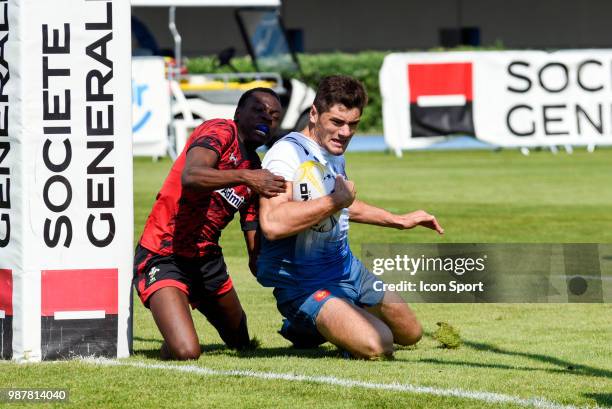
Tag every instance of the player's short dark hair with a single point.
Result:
(247, 95)
(340, 89)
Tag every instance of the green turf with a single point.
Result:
(560, 352)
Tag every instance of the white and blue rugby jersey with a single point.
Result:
(310, 257)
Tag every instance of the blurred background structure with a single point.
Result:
(336, 25)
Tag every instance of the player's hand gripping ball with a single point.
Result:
(313, 180)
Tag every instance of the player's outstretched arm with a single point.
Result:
(362, 212)
(280, 217)
(199, 173)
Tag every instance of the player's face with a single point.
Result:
(334, 129)
(261, 111)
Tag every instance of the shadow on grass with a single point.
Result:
(141, 339)
(576, 369)
(602, 399)
(501, 366)
(153, 353)
(261, 352)
(565, 366)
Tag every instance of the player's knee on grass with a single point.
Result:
(407, 332)
(401, 320)
(413, 334)
(375, 346)
(355, 330)
(170, 309)
(183, 351)
(410, 336)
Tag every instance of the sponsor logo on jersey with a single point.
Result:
(230, 196)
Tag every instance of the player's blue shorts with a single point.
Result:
(301, 306)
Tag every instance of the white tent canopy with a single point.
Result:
(205, 3)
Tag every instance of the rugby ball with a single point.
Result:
(313, 180)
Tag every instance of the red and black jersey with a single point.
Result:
(188, 223)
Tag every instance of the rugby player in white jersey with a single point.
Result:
(323, 291)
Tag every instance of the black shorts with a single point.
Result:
(197, 277)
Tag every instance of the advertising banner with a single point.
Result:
(150, 106)
(66, 211)
(505, 98)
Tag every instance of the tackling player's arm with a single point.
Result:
(250, 227)
(199, 173)
(281, 217)
(251, 238)
(361, 212)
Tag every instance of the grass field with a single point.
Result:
(535, 355)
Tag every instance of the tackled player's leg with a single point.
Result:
(400, 319)
(354, 329)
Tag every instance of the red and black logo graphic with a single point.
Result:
(6, 314)
(440, 99)
(79, 313)
(321, 295)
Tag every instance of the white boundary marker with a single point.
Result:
(440, 100)
(488, 397)
(79, 315)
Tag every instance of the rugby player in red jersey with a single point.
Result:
(178, 260)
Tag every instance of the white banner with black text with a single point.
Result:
(505, 98)
(66, 211)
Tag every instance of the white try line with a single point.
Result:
(489, 397)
